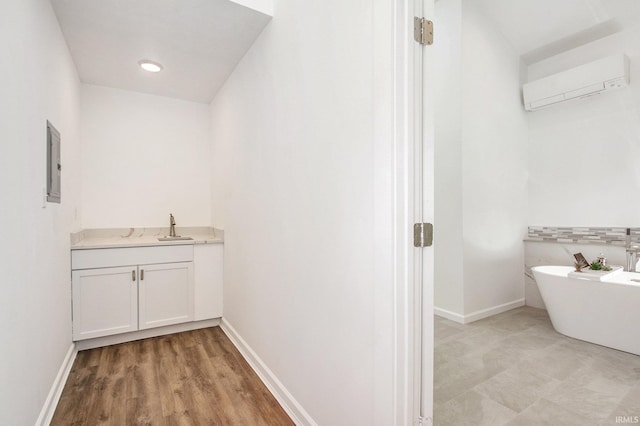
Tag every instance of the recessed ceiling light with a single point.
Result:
(150, 66)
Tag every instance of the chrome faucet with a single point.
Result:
(172, 225)
(632, 259)
(632, 252)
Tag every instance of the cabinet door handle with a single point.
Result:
(141, 274)
(133, 275)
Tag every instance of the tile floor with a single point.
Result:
(515, 369)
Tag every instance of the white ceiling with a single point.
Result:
(538, 29)
(199, 42)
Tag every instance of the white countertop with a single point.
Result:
(141, 237)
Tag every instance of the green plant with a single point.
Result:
(596, 266)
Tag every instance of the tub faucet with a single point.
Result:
(172, 225)
(632, 258)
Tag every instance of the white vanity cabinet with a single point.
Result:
(207, 262)
(165, 294)
(117, 290)
(105, 302)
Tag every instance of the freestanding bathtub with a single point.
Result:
(604, 312)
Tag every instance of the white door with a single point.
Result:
(424, 211)
(165, 294)
(105, 301)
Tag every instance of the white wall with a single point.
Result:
(143, 157)
(480, 166)
(494, 129)
(293, 188)
(583, 155)
(38, 82)
(449, 272)
(264, 6)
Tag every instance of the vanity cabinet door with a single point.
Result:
(105, 301)
(165, 294)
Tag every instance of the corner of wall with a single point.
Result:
(50, 404)
(293, 408)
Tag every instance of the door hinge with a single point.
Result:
(423, 30)
(424, 421)
(422, 234)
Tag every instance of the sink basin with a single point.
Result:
(177, 237)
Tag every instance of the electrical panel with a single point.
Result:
(53, 164)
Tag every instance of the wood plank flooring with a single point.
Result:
(191, 378)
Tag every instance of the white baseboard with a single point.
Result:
(299, 416)
(478, 315)
(448, 315)
(484, 313)
(50, 404)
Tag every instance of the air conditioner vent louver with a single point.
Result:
(589, 79)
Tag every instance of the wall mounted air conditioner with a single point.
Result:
(589, 79)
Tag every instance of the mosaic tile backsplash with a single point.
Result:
(582, 235)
